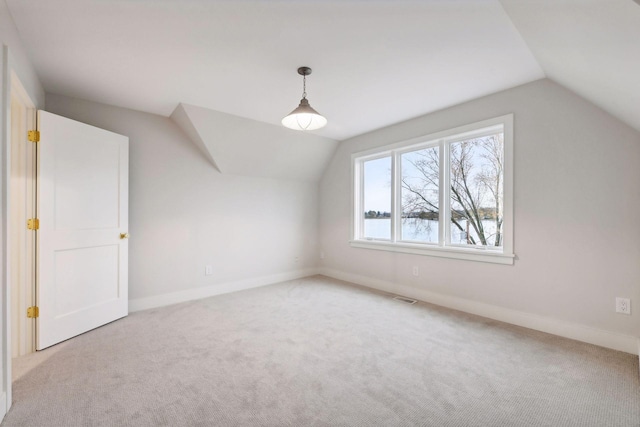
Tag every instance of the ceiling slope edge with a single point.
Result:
(240, 146)
(180, 117)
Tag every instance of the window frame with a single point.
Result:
(443, 248)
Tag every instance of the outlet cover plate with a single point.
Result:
(623, 305)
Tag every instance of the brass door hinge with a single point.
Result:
(33, 224)
(33, 136)
(33, 312)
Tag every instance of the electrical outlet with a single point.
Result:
(416, 271)
(297, 259)
(208, 270)
(321, 255)
(623, 305)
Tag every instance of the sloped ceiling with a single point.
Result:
(240, 146)
(589, 46)
(375, 62)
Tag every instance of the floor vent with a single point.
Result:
(405, 299)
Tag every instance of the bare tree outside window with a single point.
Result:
(476, 193)
(420, 194)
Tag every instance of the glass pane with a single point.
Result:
(420, 180)
(477, 191)
(377, 198)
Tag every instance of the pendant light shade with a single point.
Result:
(304, 117)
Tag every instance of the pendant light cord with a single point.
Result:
(304, 86)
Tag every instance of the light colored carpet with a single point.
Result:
(318, 352)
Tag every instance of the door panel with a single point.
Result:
(85, 277)
(87, 200)
(83, 209)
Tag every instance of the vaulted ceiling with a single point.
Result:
(374, 62)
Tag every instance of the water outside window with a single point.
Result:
(377, 198)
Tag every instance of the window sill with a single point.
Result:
(480, 255)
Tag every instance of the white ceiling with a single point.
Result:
(375, 62)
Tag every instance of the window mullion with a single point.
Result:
(444, 216)
(360, 214)
(396, 205)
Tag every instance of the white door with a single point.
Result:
(83, 175)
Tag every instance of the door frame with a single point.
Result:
(7, 70)
(22, 206)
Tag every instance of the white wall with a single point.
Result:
(577, 216)
(20, 62)
(184, 214)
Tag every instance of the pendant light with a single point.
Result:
(304, 117)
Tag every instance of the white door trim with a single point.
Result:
(21, 207)
(7, 74)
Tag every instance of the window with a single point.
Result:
(447, 194)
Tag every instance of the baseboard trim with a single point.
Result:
(139, 304)
(615, 341)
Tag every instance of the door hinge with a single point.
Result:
(33, 135)
(33, 312)
(33, 224)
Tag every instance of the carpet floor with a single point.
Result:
(319, 352)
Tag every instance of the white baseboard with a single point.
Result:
(626, 343)
(217, 289)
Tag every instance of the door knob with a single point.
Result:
(124, 235)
